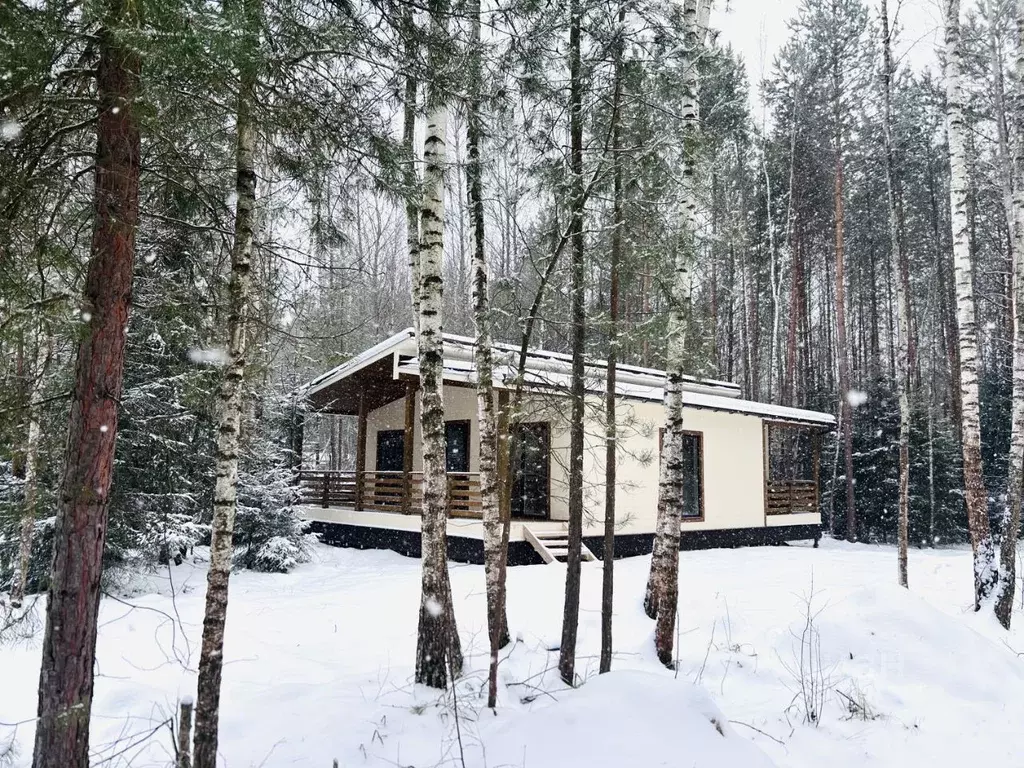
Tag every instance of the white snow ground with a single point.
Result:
(319, 664)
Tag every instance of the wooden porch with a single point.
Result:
(400, 492)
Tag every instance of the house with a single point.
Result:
(752, 479)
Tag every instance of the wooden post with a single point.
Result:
(185, 734)
(410, 421)
(361, 453)
(327, 489)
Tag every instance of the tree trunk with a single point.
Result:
(1015, 465)
(486, 413)
(985, 574)
(610, 456)
(438, 652)
(902, 301)
(842, 345)
(229, 403)
(664, 577)
(571, 611)
(31, 469)
(69, 642)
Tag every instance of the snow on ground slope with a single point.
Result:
(319, 664)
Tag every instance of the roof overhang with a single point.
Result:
(381, 375)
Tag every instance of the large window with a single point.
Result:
(530, 458)
(693, 474)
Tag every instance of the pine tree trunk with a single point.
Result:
(438, 653)
(610, 456)
(1015, 464)
(31, 469)
(229, 405)
(69, 642)
(571, 610)
(412, 206)
(842, 345)
(902, 302)
(486, 413)
(985, 574)
(664, 577)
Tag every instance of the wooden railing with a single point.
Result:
(386, 491)
(788, 497)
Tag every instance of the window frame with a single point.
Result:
(699, 518)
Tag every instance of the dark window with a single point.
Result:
(391, 450)
(693, 473)
(530, 458)
(456, 455)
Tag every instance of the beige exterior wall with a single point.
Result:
(459, 404)
(733, 459)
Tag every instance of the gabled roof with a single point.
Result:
(545, 371)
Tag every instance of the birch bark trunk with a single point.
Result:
(1008, 549)
(69, 642)
(31, 465)
(230, 403)
(438, 652)
(903, 359)
(985, 574)
(571, 609)
(484, 359)
(664, 578)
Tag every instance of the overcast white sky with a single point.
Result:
(758, 28)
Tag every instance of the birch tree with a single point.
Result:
(1015, 464)
(663, 585)
(69, 642)
(985, 574)
(230, 402)
(438, 652)
(31, 464)
(902, 299)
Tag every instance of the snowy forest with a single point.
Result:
(204, 205)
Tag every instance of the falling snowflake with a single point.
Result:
(86, 316)
(856, 398)
(150, 258)
(212, 356)
(10, 130)
(104, 428)
(433, 607)
(115, 110)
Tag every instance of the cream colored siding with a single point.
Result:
(459, 404)
(733, 459)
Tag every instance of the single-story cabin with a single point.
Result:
(752, 468)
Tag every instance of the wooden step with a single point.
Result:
(553, 546)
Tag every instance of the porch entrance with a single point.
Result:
(530, 465)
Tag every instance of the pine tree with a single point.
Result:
(69, 642)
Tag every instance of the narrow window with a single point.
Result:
(693, 473)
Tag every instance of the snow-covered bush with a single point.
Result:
(268, 535)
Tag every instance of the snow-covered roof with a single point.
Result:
(551, 371)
